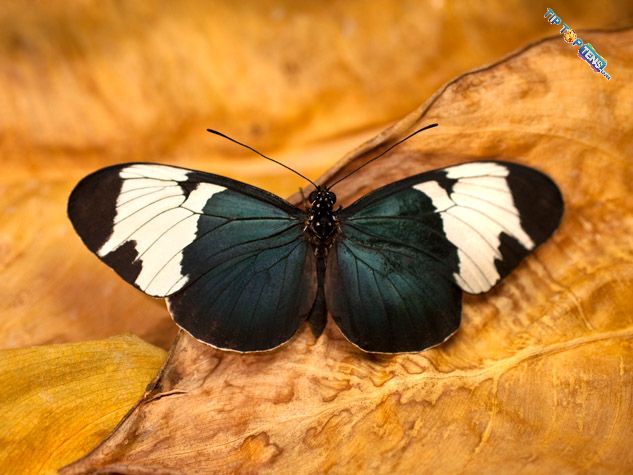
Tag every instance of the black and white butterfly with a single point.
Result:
(242, 269)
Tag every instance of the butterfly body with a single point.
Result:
(242, 269)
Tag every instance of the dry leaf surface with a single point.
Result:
(538, 379)
(87, 84)
(59, 401)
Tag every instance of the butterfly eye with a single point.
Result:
(331, 196)
(312, 197)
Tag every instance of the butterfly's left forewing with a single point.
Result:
(231, 258)
(404, 252)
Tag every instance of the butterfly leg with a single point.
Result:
(317, 318)
(304, 200)
(306, 205)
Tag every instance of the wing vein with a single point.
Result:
(145, 223)
(382, 303)
(160, 188)
(509, 233)
(161, 235)
(243, 287)
(397, 243)
(248, 253)
(146, 206)
(507, 210)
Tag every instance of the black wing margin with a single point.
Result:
(230, 257)
(405, 250)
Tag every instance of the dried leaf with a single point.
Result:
(87, 84)
(538, 379)
(59, 401)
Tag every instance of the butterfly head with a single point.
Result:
(322, 198)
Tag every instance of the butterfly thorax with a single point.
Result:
(322, 223)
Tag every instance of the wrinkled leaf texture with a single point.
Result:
(538, 379)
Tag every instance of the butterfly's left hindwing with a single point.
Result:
(404, 251)
(231, 258)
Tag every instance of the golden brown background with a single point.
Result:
(538, 378)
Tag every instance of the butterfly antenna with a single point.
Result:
(261, 155)
(381, 154)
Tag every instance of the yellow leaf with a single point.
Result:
(59, 401)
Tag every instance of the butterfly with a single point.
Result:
(242, 269)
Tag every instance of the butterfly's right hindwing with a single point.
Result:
(389, 277)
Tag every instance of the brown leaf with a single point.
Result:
(538, 379)
(87, 84)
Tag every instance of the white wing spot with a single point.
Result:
(158, 172)
(199, 197)
(126, 228)
(478, 210)
(160, 221)
(468, 170)
(441, 200)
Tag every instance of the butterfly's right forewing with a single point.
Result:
(231, 259)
